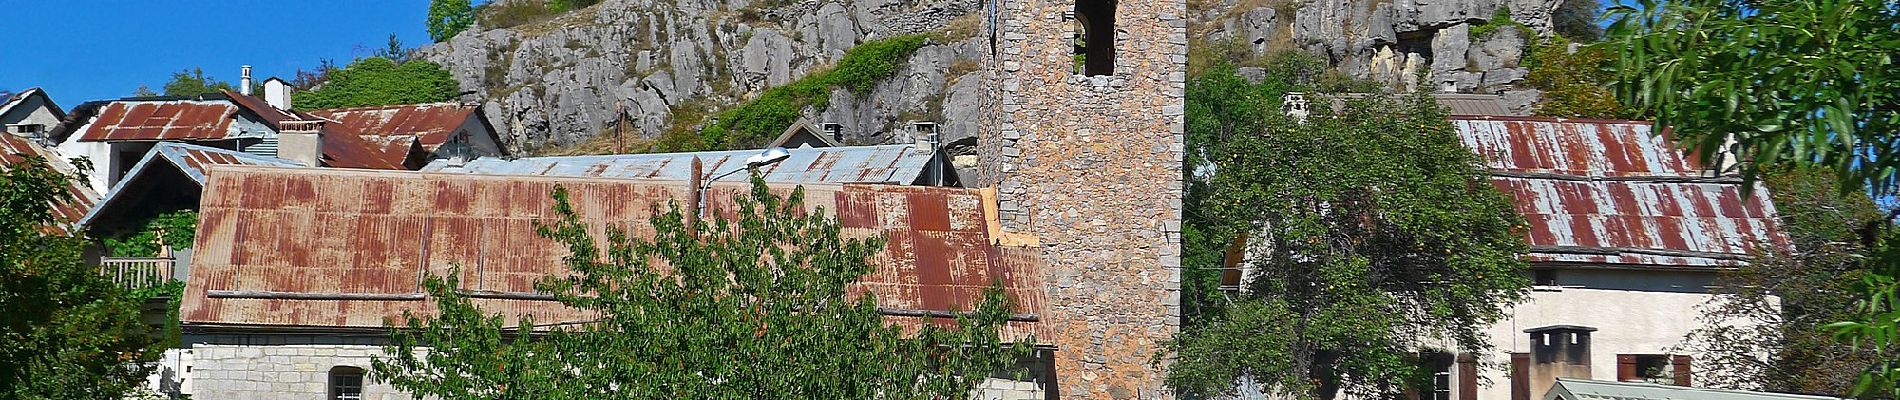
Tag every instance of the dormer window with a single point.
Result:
(1095, 37)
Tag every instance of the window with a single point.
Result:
(1544, 277)
(346, 383)
(1438, 364)
(1661, 369)
(28, 129)
(1095, 37)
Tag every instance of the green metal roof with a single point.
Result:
(1581, 389)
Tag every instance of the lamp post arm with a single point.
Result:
(707, 185)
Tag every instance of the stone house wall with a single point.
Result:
(1089, 168)
(278, 367)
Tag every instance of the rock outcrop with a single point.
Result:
(556, 83)
(1463, 45)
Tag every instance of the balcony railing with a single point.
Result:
(137, 272)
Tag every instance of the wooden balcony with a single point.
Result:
(137, 272)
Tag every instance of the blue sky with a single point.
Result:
(80, 50)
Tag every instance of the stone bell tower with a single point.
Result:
(1083, 144)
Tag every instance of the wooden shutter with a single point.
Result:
(1467, 377)
(1230, 264)
(1683, 372)
(1626, 368)
(1520, 376)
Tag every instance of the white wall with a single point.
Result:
(100, 153)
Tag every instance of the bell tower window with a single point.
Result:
(1095, 37)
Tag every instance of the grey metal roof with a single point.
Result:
(190, 159)
(895, 164)
(1581, 389)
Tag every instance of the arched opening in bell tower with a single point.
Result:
(1095, 37)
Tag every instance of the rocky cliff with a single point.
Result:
(1470, 46)
(554, 84)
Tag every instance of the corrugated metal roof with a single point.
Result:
(162, 120)
(189, 159)
(207, 117)
(1611, 193)
(431, 124)
(343, 150)
(897, 164)
(1581, 389)
(328, 231)
(14, 149)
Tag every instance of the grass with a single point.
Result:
(754, 122)
(1499, 19)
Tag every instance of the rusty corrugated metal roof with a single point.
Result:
(1599, 192)
(162, 120)
(326, 231)
(14, 149)
(431, 124)
(343, 150)
(896, 164)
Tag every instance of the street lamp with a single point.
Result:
(768, 157)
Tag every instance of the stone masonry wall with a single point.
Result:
(277, 367)
(1091, 167)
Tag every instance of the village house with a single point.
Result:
(15, 149)
(295, 276)
(30, 114)
(1626, 237)
(116, 134)
(449, 131)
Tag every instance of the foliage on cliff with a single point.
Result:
(447, 18)
(1371, 229)
(755, 122)
(377, 81)
(1749, 340)
(1574, 85)
(754, 307)
(67, 332)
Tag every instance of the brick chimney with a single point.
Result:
(302, 142)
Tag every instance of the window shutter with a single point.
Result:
(1467, 377)
(1626, 368)
(1683, 372)
(1520, 376)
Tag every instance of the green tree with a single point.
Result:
(754, 307)
(377, 81)
(1787, 81)
(67, 333)
(193, 82)
(177, 229)
(1778, 345)
(449, 17)
(1372, 229)
(1574, 84)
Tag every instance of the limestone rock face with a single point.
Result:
(1379, 39)
(557, 82)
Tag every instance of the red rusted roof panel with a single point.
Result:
(344, 150)
(1610, 192)
(14, 149)
(299, 230)
(162, 120)
(431, 124)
